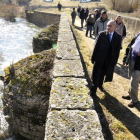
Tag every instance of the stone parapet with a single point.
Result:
(73, 125)
(72, 114)
(132, 24)
(41, 18)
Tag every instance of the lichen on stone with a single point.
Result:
(46, 38)
(32, 73)
(27, 86)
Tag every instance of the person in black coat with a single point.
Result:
(105, 56)
(86, 14)
(59, 6)
(132, 58)
(82, 16)
(96, 14)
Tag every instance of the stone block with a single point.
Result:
(71, 93)
(73, 125)
(67, 51)
(65, 37)
(68, 68)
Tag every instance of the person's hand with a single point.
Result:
(138, 53)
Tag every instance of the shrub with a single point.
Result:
(123, 5)
(9, 12)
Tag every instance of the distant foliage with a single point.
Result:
(123, 5)
(9, 12)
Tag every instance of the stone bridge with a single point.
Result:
(71, 114)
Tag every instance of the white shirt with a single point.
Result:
(136, 45)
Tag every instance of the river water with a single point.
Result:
(15, 44)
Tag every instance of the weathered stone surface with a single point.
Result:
(69, 68)
(27, 86)
(67, 51)
(42, 19)
(46, 38)
(65, 37)
(73, 124)
(70, 93)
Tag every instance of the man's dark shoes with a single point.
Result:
(127, 97)
(132, 104)
(102, 89)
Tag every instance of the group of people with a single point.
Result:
(109, 36)
(97, 21)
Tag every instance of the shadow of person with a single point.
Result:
(78, 28)
(122, 113)
(137, 106)
(104, 123)
(121, 70)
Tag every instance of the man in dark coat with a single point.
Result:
(82, 16)
(73, 16)
(59, 6)
(105, 56)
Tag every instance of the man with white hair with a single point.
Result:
(105, 56)
(132, 58)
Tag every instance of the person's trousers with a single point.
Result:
(100, 80)
(134, 84)
(131, 67)
(89, 28)
(73, 21)
(82, 21)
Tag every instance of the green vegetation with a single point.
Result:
(10, 11)
(32, 75)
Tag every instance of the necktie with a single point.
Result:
(110, 37)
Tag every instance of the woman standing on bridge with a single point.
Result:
(90, 23)
(120, 27)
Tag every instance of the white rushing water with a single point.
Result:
(15, 44)
(15, 41)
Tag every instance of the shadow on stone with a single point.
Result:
(105, 128)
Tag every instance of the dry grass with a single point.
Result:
(123, 123)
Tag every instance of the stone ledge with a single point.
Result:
(68, 68)
(73, 125)
(67, 51)
(71, 93)
(65, 37)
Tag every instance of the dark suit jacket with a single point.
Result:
(100, 54)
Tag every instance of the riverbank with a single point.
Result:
(15, 44)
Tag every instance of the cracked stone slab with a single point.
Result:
(73, 125)
(64, 23)
(67, 51)
(65, 37)
(71, 93)
(65, 30)
(68, 68)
